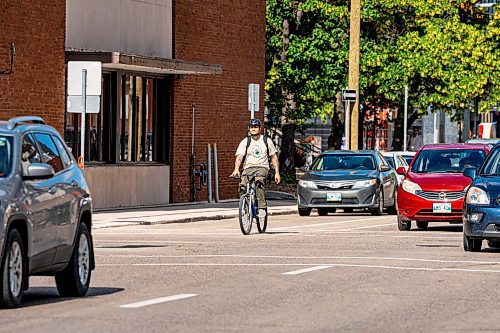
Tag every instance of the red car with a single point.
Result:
(434, 187)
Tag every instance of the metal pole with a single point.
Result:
(209, 178)
(436, 127)
(192, 130)
(476, 112)
(347, 119)
(84, 111)
(405, 127)
(216, 174)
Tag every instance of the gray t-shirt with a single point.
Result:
(256, 153)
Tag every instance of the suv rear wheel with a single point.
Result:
(74, 280)
(13, 276)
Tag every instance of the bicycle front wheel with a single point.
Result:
(245, 214)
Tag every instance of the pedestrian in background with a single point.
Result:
(416, 140)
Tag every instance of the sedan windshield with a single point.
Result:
(5, 155)
(447, 160)
(344, 162)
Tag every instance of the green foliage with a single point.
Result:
(446, 51)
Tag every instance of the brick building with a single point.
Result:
(37, 83)
(162, 62)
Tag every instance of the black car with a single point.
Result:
(481, 213)
(348, 180)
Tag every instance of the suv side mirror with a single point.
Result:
(38, 171)
(385, 168)
(470, 172)
(401, 170)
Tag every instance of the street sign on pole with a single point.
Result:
(84, 94)
(75, 102)
(253, 98)
(349, 95)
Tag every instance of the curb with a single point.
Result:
(191, 219)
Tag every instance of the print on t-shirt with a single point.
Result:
(256, 151)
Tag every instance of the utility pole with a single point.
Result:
(354, 39)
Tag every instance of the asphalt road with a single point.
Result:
(339, 273)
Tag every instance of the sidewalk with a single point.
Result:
(182, 213)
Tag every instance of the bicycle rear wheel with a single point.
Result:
(246, 215)
(262, 225)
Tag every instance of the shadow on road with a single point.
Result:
(45, 295)
(449, 228)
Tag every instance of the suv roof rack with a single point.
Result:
(13, 122)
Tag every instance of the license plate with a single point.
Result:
(334, 196)
(441, 208)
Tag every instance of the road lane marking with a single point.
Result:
(302, 257)
(326, 265)
(329, 223)
(157, 301)
(306, 270)
(368, 227)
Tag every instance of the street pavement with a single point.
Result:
(338, 273)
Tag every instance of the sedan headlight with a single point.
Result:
(411, 187)
(477, 196)
(307, 184)
(365, 183)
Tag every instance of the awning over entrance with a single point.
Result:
(128, 62)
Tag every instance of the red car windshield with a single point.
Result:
(447, 160)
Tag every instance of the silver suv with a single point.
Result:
(45, 212)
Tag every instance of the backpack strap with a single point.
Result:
(267, 152)
(246, 152)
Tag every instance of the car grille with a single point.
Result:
(347, 201)
(339, 185)
(441, 196)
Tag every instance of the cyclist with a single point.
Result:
(254, 152)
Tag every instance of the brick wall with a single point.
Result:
(226, 32)
(37, 85)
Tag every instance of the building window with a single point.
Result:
(133, 125)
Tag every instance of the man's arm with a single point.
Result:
(276, 165)
(237, 164)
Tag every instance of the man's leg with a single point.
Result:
(243, 183)
(261, 187)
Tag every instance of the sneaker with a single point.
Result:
(262, 213)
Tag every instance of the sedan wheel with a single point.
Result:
(422, 225)
(380, 209)
(322, 211)
(403, 226)
(304, 211)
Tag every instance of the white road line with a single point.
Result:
(326, 265)
(368, 227)
(304, 257)
(157, 301)
(306, 270)
(329, 223)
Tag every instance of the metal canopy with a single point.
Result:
(134, 63)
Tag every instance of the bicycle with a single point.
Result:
(249, 207)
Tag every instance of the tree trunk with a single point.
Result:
(397, 139)
(287, 153)
(337, 130)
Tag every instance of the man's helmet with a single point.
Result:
(254, 122)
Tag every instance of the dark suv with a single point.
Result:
(45, 212)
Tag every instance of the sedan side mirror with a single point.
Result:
(401, 170)
(470, 172)
(38, 171)
(385, 168)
